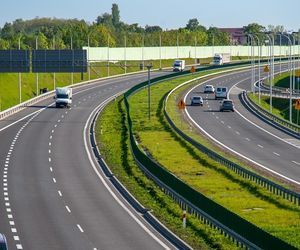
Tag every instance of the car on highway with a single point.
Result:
(227, 105)
(3, 242)
(209, 89)
(221, 93)
(196, 100)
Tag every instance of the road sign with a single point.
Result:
(14, 61)
(193, 69)
(181, 104)
(297, 104)
(266, 69)
(59, 61)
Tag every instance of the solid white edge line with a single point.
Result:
(230, 149)
(106, 185)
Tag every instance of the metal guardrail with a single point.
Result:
(245, 234)
(147, 215)
(274, 120)
(245, 173)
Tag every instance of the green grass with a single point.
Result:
(280, 106)
(112, 138)
(270, 212)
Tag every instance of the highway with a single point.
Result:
(241, 132)
(52, 197)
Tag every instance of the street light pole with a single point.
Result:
(54, 76)
(290, 70)
(149, 66)
(259, 55)
(125, 47)
(88, 62)
(252, 64)
(37, 74)
(72, 73)
(20, 78)
(271, 55)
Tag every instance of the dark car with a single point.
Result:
(3, 242)
(227, 105)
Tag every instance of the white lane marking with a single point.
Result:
(276, 154)
(11, 222)
(237, 132)
(260, 146)
(217, 117)
(232, 150)
(49, 159)
(49, 151)
(13, 230)
(68, 209)
(106, 185)
(19, 246)
(264, 130)
(247, 139)
(58, 121)
(10, 216)
(297, 163)
(54, 180)
(52, 131)
(51, 169)
(222, 122)
(49, 143)
(16, 238)
(55, 125)
(80, 228)
(59, 193)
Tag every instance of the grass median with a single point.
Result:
(250, 201)
(280, 106)
(112, 137)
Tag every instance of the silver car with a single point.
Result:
(197, 100)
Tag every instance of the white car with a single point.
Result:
(197, 100)
(209, 89)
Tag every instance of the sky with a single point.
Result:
(167, 14)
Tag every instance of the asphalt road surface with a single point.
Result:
(52, 197)
(242, 132)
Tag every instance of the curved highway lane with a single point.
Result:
(243, 133)
(51, 197)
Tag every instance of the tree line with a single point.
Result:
(109, 30)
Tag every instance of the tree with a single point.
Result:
(152, 29)
(105, 19)
(115, 12)
(4, 44)
(254, 28)
(192, 24)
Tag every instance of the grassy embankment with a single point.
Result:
(272, 213)
(280, 106)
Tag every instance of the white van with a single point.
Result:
(63, 97)
(221, 93)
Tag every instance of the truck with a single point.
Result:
(63, 97)
(220, 59)
(178, 65)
